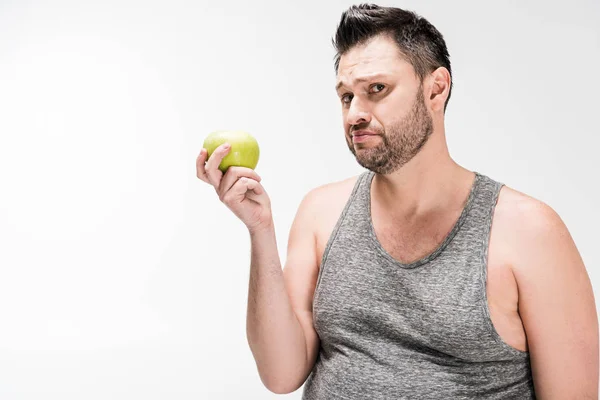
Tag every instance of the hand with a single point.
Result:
(239, 189)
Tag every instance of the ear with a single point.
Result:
(439, 88)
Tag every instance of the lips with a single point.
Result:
(362, 137)
(363, 133)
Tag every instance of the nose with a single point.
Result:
(358, 113)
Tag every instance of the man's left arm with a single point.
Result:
(557, 307)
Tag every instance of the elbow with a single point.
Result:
(282, 389)
(279, 386)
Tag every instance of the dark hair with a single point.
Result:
(419, 42)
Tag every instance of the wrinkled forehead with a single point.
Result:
(380, 56)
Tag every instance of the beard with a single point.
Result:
(404, 141)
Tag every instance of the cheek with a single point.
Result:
(393, 112)
(397, 104)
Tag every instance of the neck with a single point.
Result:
(430, 182)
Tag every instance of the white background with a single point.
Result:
(122, 276)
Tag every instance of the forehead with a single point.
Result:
(380, 55)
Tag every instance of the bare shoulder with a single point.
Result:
(333, 191)
(326, 203)
(525, 213)
(514, 206)
(528, 227)
(329, 196)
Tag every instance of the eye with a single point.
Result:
(378, 85)
(347, 98)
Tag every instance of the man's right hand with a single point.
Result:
(239, 189)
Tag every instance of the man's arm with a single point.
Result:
(556, 304)
(279, 321)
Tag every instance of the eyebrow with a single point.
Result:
(363, 79)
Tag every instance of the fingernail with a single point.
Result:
(227, 146)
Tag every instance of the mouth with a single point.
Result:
(363, 133)
(362, 138)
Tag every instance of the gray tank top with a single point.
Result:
(422, 330)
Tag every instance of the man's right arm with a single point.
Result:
(279, 323)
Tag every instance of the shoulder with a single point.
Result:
(527, 215)
(327, 198)
(523, 211)
(321, 208)
(531, 231)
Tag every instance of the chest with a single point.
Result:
(499, 308)
(411, 243)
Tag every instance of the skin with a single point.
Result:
(539, 293)
(406, 136)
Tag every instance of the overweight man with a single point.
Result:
(418, 278)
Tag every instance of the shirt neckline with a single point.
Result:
(457, 225)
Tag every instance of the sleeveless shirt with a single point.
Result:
(423, 330)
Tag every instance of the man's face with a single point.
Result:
(390, 106)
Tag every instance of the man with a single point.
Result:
(417, 279)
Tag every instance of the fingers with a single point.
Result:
(256, 192)
(245, 188)
(237, 182)
(236, 193)
(200, 168)
(232, 175)
(213, 173)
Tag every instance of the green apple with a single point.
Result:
(244, 150)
